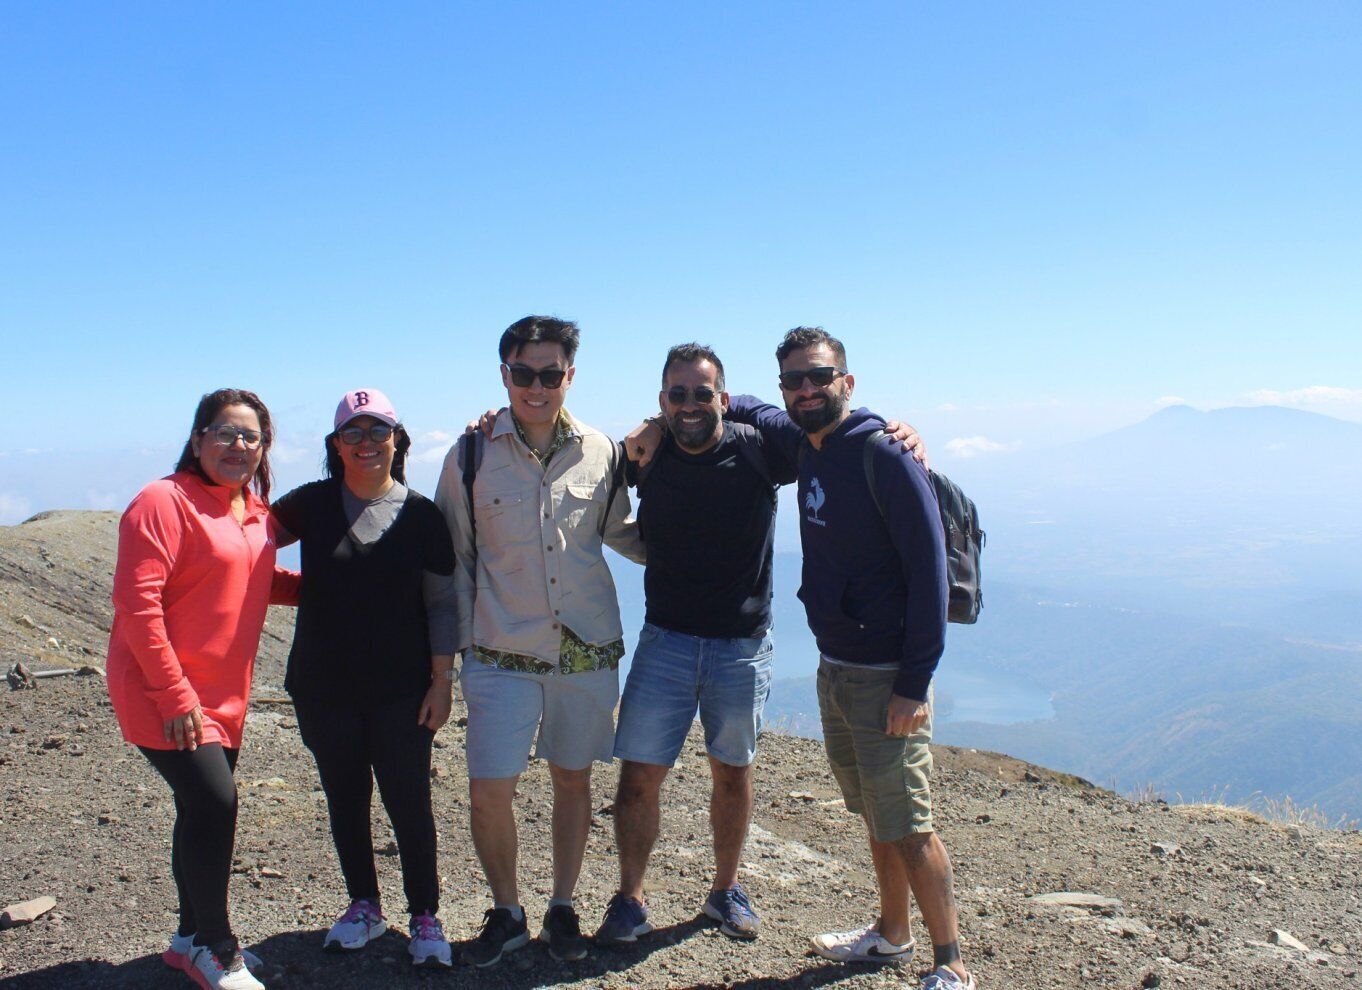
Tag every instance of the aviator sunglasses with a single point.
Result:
(226, 435)
(822, 377)
(523, 376)
(378, 433)
(678, 394)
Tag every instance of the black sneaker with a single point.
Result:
(563, 933)
(501, 933)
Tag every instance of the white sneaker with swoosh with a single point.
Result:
(861, 945)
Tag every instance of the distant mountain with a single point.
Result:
(1249, 514)
(1194, 707)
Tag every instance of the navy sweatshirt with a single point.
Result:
(875, 592)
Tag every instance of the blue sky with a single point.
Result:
(1029, 223)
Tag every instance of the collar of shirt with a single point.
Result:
(563, 431)
(222, 494)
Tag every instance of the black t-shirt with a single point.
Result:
(361, 634)
(708, 521)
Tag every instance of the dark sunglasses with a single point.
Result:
(378, 433)
(678, 394)
(822, 377)
(523, 376)
(226, 435)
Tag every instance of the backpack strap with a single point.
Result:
(616, 481)
(868, 461)
(748, 440)
(472, 460)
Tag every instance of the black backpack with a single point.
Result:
(964, 539)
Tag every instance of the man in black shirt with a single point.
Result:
(707, 516)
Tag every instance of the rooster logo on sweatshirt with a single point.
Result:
(813, 501)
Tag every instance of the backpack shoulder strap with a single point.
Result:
(868, 461)
(472, 460)
(747, 439)
(616, 481)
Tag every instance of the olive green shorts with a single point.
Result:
(882, 777)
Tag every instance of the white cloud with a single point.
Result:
(436, 436)
(1170, 400)
(1311, 395)
(431, 455)
(947, 407)
(974, 446)
(13, 509)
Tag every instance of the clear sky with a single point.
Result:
(1029, 222)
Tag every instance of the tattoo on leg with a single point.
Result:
(914, 848)
(945, 955)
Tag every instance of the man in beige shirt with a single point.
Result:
(539, 620)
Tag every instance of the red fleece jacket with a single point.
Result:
(190, 590)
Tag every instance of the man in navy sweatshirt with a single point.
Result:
(874, 587)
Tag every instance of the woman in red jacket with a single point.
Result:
(195, 573)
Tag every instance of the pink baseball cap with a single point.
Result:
(365, 402)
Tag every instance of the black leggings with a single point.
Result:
(205, 832)
(353, 745)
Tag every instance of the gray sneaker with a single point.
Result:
(625, 920)
(944, 978)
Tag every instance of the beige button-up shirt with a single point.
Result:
(538, 564)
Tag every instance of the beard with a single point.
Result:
(818, 417)
(693, 436)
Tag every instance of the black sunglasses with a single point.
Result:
(822, 377)
(378, 433)
(678, 394)
(523, 376)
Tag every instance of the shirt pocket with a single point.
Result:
(577, 513)
(503, 518)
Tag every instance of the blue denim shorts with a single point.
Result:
(673, 675)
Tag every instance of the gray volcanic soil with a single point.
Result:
(86, 820)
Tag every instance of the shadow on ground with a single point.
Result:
(295, 960)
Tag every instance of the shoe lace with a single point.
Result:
(426, 927)
(739, 897)
(934, 981)
(361, 910)
(620, 904)
(495, 921)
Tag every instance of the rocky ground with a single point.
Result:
(1191, 896)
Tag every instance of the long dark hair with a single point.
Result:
(209, 407)
(335, 467)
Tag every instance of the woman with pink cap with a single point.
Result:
(371, 669)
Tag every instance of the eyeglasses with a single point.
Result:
(226, 435)
(678, 394)
(378, 433)
(523, 376)
(792, 381)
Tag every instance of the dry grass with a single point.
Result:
(1259, 807)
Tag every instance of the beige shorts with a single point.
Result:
(573, 716)
(883, 777)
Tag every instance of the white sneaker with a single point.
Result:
(861, 945)
(177, 956)
(944, 978)
(212, 973)
(361, 923)
(428, 945)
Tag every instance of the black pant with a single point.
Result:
(205, 832)
(353, 745)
